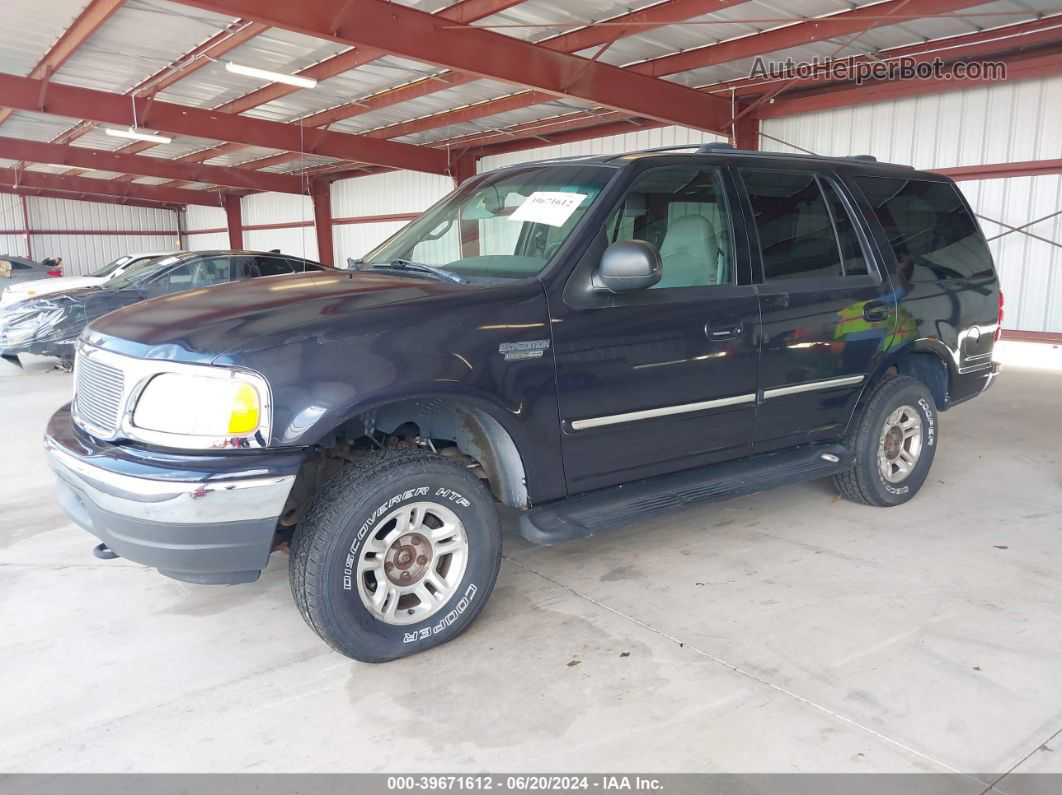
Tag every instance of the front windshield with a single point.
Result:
(507, 225)
(138, 272)
(111, 267)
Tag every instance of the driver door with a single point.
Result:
(662, 379)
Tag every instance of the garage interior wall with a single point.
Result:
(1004, 123)
(204, 228)
(361, 207)
(279, 220)
(87, 235)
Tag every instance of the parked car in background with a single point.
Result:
(17, 270)
(38, 287)
(50, 325)
(590, 341)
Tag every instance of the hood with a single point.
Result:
(200, 325)
(36, 287)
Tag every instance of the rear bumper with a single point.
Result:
(194, 518)
(968, 385)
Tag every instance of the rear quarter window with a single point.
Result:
(933, 235)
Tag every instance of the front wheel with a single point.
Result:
(894, 440)
(397, 554)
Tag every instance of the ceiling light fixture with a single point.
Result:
(135, 134)
(265, 74)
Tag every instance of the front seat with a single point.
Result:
(689, 253)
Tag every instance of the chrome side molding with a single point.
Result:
(663, 411)
(811, 386)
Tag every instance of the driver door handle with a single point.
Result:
(720, 330)
(874, 311)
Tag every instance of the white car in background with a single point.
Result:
(35, 289)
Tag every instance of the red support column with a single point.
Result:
(461, 168)
(321, 190)
(746, 132)
(234, 219)
(26, 227)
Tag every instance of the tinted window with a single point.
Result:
(199, 272)
(852, 257)
(274, 266)
(19, 266)
(681, 211)
(797, 238)
(932, 233)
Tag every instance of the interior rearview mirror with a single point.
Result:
(628, 265)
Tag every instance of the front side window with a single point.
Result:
(795, 216)
(681, 211)
(507, 225)
(930, 228)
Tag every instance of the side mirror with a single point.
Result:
(628, 265)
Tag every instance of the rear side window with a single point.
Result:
(932, 233)
(804, 229)
(274, 266)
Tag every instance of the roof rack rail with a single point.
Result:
(668, 148)
(863, 158)
(716, 146)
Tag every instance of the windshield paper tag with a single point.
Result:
(548, 207)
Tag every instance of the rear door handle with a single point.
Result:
(719, 330)
(874, 311)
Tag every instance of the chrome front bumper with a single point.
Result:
(172, 514)
(172, 502)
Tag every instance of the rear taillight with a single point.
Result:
(999, 318)
(55, 274)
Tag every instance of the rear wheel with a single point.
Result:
(894, 441)
(397, 554)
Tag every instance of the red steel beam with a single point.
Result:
(747, 46)
(215, 47)
(105, 187)
(984, 43)
(84, 197)
(465, 11)
(425, 37)
(101, 106)
(88, 22)
(844, 23)
(101, 160)
(663, 13)
(322, 221)
(234, 221)
(1027, 168)
(1037, 63)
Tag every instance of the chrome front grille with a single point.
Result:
(99, 394)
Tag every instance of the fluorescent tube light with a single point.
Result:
(136, 135)
(265, 74)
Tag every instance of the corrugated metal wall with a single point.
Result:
(613, 144)
(56, 221)
(994, 124)
(380, 194)
(198, 218)
(263, 209)
(13, 245)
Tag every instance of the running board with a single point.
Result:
(586, 514)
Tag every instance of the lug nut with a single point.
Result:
(421, 560)
(405, 575)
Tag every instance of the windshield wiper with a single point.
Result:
(418, 267)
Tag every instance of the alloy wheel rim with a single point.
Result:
(901, 444)
(414, 562)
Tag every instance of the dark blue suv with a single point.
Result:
(590, 341)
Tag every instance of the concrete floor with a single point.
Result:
(788, 631)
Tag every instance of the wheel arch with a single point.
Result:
(472, 425)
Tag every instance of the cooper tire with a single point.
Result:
(350, 515)
(882, 447)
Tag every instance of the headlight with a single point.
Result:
(226, 408)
